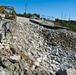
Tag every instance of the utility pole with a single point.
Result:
(26, 6)
(69, 17)
(64, 16)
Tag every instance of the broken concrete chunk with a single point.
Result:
(71, 71)
(15, 57)
(14, 37)
(3, 73)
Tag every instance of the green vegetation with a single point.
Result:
(69, 24)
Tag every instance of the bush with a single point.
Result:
(69, 25)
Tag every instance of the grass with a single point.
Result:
(69, 25)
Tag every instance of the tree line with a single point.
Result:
(28, 15)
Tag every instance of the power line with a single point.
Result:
(64, 16)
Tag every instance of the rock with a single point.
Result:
(66, 72)
(37, 63)
(61, 72)
(14, 37)
(15, 57)
(47, 50)
(39, 59)
(3, 72)
(71, 71)
(7, 47)
(57, 53)
(1, 47)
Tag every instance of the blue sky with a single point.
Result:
(46, 8)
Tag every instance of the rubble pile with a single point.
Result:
(35, 50)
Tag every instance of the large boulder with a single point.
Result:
(61, 72)
(71, 71)
(66, 72)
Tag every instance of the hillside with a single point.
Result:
(34, 50)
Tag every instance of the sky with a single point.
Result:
(62, 9)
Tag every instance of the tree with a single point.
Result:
(37, 15)
(25, 14)
(29, 15)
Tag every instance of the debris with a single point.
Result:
(15, 57)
